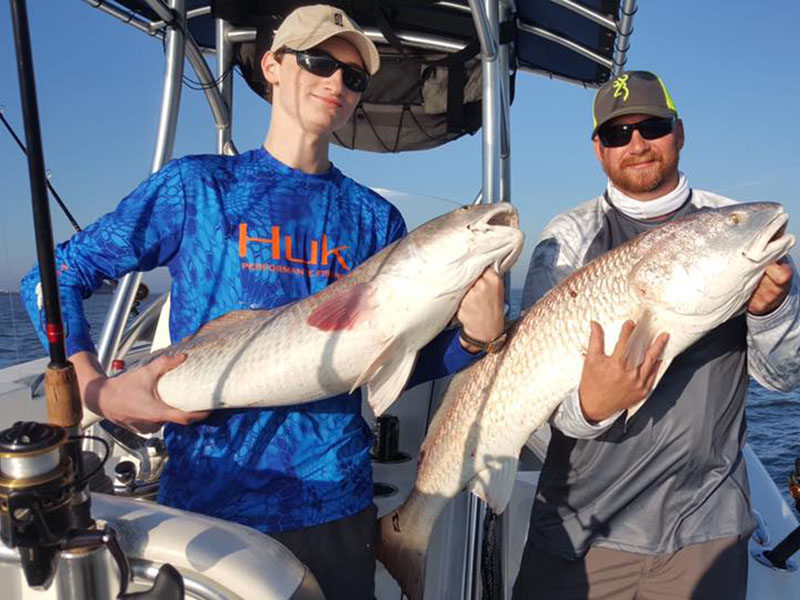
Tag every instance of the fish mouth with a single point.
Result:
(773, 242)
(501, 214)
(502, 219)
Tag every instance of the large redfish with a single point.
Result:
(364, 329)
(686, 278)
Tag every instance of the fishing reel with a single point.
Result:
(778, 557)
(44, 514)
(36, 496)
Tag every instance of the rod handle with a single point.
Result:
(63, 398)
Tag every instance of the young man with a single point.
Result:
(658, 508)
(258, 230)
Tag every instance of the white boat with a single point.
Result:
(579, 42)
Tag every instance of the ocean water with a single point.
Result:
(773, 418)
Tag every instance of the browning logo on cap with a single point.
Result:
(621, 87)
(337, 19)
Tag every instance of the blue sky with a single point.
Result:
(731, 67)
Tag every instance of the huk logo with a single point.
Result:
(337, 19)
(621, 87)
(282, 248)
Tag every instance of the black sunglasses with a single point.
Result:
(322, 64)
(614, 136)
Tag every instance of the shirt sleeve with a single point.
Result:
(142, 233)
(397, 226)
(552, 261)
(773, 343)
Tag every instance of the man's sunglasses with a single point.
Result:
(322, 64)
(614, 136)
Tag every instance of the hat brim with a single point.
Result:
(653, 111)
(366, 48)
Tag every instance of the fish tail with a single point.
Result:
(402, 548)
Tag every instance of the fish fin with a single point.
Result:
(643, 335)
(403, 552)
(389, 380)
(665, 363)
(376, 364)
(344, 309)
(495, 483)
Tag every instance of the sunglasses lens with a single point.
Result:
(652, 129)
(614, 136)
(320, 65)
(355, 79)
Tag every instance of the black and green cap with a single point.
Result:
(630, 93)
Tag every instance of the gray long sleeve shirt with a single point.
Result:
(674, 475)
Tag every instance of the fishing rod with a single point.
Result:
(142, 292)
(44, 492)
(50, 187)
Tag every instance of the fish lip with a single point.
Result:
(506, 261)
(503, 215)
(773, 242)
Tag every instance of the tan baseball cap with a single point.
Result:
(308, 26)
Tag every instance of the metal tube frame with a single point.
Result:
(225, 86)
(504, 68)
(220, 107)
(484, 13)
(567, 43)
(490, 98)
(126, 17)
(622, 40)
(165, 11)
(588, 13)
(179, 46)
(190, 14)
(409, 38)
(556, 76)
(495, 98)
(165, 141)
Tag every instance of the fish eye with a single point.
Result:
(734, 219)
(465, 207)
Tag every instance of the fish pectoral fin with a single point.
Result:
(643, 335)
(662, 368)
(384, 356)
(389, 380)
(495, 483)
(344, 309)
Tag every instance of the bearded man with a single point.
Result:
(656, 506)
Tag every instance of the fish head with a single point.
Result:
(705, 267)
(453, 250)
